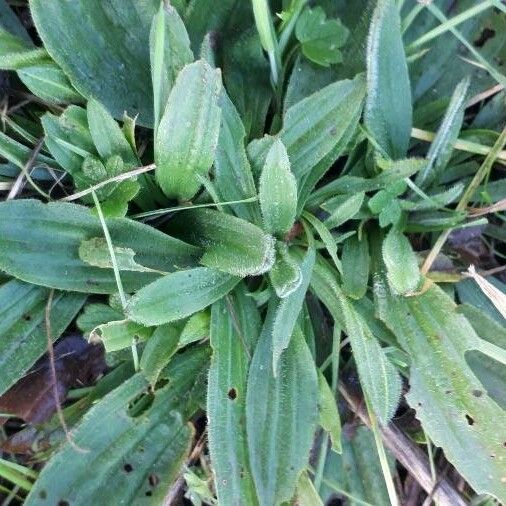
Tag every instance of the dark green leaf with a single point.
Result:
(22, 326)
(61, 228)
(355, 261)
(103, 46)
(235, 324)
(281, 415)
(388, 112)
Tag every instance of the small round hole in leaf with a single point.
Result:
(128, 468)
(232, 394)
(470, 419)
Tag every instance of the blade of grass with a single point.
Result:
(449, 24)
(120, 177)
(498, 76)
(480, 175)
(115, 267)
(461, 145)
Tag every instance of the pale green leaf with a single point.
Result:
(306, 492)
(107, 135)
(95, 252)
(388, 110)
(195, 329)
(320, 38)
(278, 191)
(179, 295)
(329, 414)
(288, 310)
(230, 244)
(345, 210)
(441, 147)
(285, 274)
(233, 176)
(188, 132)
(159, 348)
(401, 263)
(120, 334)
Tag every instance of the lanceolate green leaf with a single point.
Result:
(278, 191)
(281, 415)
(378, 377)
(120, 334)
(285, 274)
(454, 408)
(235, 324)
(230, 244)
(356, 262)
(188, 132)
(329, 414)
(23, 336)
(178, 295)
(288, 311)
(313, 127)
(158, 351)
(345, 210)
(442, 146)
(169, 48)
(107, 136)
(103, 46)
(232, 171)
(400, 260)
(60, 228)
(134, 459)
(388, 113)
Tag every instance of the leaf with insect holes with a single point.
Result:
(279, 448)
(179, 295)
(278, 191)
(320, 38)
(22, 327)
(149, 447)
(230, 244)
(235, 325)
(388, 110)
(456, 412)
(169, 50)
(188, 131)
(401, 263)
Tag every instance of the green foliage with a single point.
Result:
(188, 131)
(281, 186)
(320, 38)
